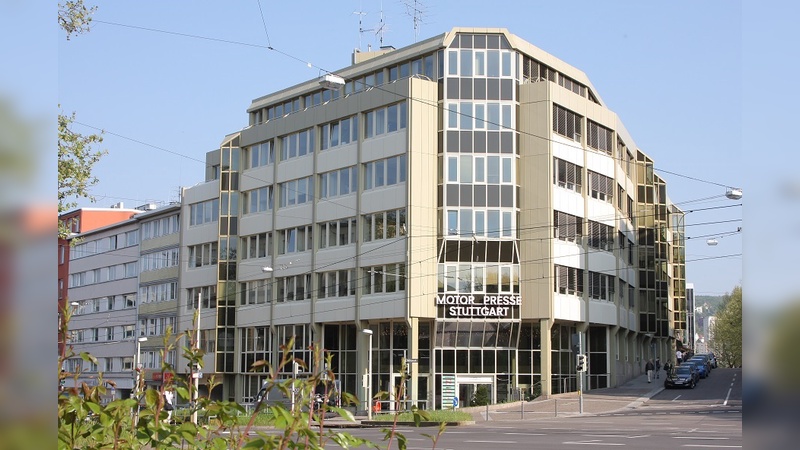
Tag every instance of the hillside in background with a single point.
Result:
(713, 302)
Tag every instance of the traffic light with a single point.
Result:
(581, 363)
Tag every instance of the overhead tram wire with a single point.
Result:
(436, 105)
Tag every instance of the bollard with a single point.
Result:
(521, 409)
(556, 403)
(487, 411)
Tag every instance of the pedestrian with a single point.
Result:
(649, 368)
(658, 367)
(169, 398)
(668, 367)
(679, 356)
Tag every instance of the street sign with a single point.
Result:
(448, 390)
(411, 361)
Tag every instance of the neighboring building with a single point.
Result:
(103, 281)
(469, 198)
(78, 221)
(691, 318)
(159, 269)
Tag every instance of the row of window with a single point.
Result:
(385, 172)
(202, 255)
(160, 227)
(161, 259)
(105, 244)
(480, 63)
(103, 274)
(102, 334)
(466, 278)
(569, 280)
(338, 183)
(384, 225)
(204, 212)
(337, 233)
(485, 223)
(156, 326)
(475, 169)
(297, 192)
(480, 116)
(377, 122)
(102, 304)
(157, 293)
(105, 365)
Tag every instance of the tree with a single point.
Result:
(76, 158)
(727, 330)
(74, 17)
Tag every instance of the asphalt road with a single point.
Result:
(707, 417)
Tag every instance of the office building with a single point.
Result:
(469, 198)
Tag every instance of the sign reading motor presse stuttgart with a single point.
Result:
(478, 305)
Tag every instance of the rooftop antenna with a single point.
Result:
(381, 28)
(361, 29)
(415, 9)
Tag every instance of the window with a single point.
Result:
(160, 227)
(568, 280)
(296, 145)
(203, 255)
(566, 123)
(159, 259)
(157, 293)
(256, 246)
(294, 240)
(337, 283)
(259, 155)
(600, 137)
(601, 187)
(255, 292)
(567, 227)
(257, 200)
(208, 297)
(601, 236)
(385, 172)
(601, 286)
(567, 175)
(204, 212)
(385, 120)
(384, 225)
(297, 192)
(386, 278)
(341, 132)
(338, 183)
(337, 233)
(294, 288)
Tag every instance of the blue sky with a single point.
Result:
(673, 72)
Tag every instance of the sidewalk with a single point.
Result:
(598, 401)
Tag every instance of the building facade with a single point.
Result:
(469, 198)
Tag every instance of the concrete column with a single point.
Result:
(413, 353)
(546, 352)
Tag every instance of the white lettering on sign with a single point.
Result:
(478, 305)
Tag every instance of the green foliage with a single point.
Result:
(76, 158)
(481, 397)
(438, 416)
(74, 17)
(135, 423)
(727, 331)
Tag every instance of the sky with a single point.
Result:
(164, 99)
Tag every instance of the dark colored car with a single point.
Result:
(712, 359)
(699, 366)
(705, 360)
(681, 376)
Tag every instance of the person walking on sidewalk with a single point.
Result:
(679, 356)
(668, 367)
(649, 369)
(658, 367)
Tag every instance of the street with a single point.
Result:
(709, 416)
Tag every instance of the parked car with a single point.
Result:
(681, 376)
(705, 360)
(699, 366)
(712, 358)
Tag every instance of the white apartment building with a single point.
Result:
(470, 199)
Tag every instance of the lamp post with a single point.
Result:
(368, 332)
(195, 375)
(137, 362)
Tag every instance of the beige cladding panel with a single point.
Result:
(159, 308)
(170, 240)
(422, 205)
(535, 170)
(161, 274)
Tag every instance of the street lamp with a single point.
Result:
(368, 332)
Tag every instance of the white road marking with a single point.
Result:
(703, 438)
(725, 403)
(492, 442)
(679, 396)
(524, 434)
(712, 446)
(592, 442)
